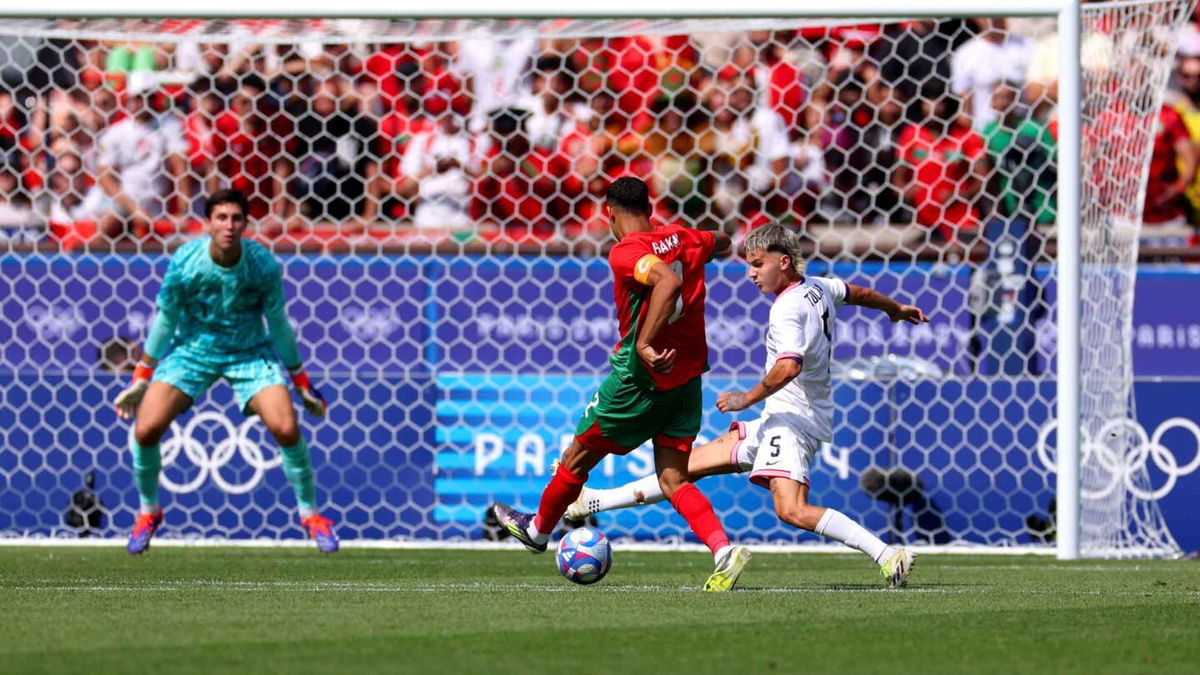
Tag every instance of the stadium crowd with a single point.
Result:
(941, 124)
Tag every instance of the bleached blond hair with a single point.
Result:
(775, 239)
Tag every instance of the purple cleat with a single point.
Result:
(517, 523)
(318, 527)
(143, 529)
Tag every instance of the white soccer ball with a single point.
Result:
(584, 556)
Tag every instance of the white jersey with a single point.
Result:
(979, 64)
(497, 69)
(139, 151)
(801, 328)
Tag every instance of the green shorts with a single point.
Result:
(621, 416)
(193, 372)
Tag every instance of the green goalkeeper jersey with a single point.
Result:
(220, 310)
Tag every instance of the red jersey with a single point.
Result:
(942, 168)
(686, 251)
(1169, 130)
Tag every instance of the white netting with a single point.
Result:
(433, 188)
(1121, 116)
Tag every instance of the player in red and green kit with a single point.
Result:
(653, 392)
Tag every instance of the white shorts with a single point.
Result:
(769, 447)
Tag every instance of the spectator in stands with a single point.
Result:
(397, 130)
(805, 178)
(1172, 169)
(724, 180)
(442, 86)
(141, 162)
(17, 221)
(554, 158)
(67, 156)
(676, 62)
(1096, 56)
(615, 143)
(12, 129)
(859, 140)
(284, 67)
(336, 59)
(513, 188)
(200, 130)
(759, 135)
(393, 67)
(247, 146)
(1020, 149)
(911, 54)
(992, 55)
(627, 66)
(329, 144)
(98, 109)
(673, 148)
(556, 114)
(754, 152)
(437, 170)
(942, 165)
(67, 182)
(778, 76)
(847, 50)
(495, 71)
(1187, 104)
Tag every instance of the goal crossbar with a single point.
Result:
(531, 9)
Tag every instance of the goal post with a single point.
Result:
(1068, 225)
(451, 275)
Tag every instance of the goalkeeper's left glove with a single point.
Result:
(313, 401)
(128, 400)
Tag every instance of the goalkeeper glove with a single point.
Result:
(313, 401)
(127, 401)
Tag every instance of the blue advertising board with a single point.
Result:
(457, 380)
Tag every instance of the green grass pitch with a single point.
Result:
(288, 610)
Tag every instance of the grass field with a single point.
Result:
(266, 610)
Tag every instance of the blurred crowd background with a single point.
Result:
(906, 135)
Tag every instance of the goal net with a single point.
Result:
(433, 189)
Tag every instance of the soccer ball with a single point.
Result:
(584, 556)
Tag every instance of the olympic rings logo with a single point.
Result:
(236, 440)
(1124, 464)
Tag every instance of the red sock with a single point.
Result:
(563, 489)
(691, 503)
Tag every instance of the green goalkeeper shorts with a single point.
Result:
(621, 416)
(193, 371)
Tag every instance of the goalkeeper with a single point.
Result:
(211, 306)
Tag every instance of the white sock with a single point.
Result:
(721, 552)
(835, 525)
(306, 512)
(637, 493)
(151, 507)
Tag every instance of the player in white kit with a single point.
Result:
(778, 447)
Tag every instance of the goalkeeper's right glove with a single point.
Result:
(128, 400)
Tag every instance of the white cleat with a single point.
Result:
(579, 509)
(896, 568)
